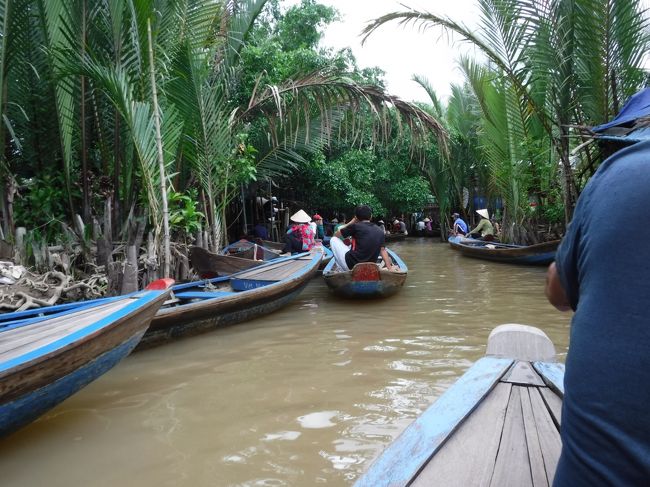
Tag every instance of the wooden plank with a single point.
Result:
(522, 373)
(552, 374)
(520, 342)
(468, 457)
(553, 403)
(549, 436)
(19, 341)
(403, 458)
(535, 458)
(512, 467)
(273, 265)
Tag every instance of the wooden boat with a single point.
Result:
(250, 250)
(367, 279)
(278, 246)
(539, 254)
(208, 264)
(203, 305)
(48, 355)
(497, 425)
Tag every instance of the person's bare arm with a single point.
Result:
(387, 260)
(554, 291)
(338, 231)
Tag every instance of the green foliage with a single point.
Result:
(42, 205)
(301, 26)
(553, 207)
(362, 177)
(183, 213)
(243, 161)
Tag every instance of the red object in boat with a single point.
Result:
(366, 271)
(160, 284)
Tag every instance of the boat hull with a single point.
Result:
(540, 254)
(497, 425)
(256, 298)
(31, 405)
(208, 264)
(51, 374)
(366, 280)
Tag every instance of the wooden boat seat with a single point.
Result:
(202, 294)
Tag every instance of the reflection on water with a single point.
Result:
(307, 395)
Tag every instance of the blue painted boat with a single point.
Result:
(497, 425)
(48, 355)
(538, 254)
(200, 306)
(367, 279)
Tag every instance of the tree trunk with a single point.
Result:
(161, 158)
(567, 170)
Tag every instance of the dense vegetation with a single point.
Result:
(165, 109)
(553, 67)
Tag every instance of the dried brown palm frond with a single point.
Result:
(317, 94)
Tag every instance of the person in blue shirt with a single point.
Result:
(601, 273)
(459, 227)
(260, 231)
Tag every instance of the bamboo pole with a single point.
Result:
(161, 157)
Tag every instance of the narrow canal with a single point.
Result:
(308, 395)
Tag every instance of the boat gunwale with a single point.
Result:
(270, 289)
(142, 299)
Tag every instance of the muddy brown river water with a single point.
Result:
(305, 396)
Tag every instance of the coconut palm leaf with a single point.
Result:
(324, 91)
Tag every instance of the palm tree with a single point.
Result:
(569, 61)
(145, 95)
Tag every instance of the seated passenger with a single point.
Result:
(484, 230)
(460, 227)
(299, 237)
(368, 241)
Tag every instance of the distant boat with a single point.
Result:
(367, 279)
(208, 264)
(497, 425)
(250, 250)
(538, 254)
(200, 306)
(46, 355)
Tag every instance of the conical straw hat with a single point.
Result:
(300, 217)
(484, 213)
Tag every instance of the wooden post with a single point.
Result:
(20, 250)
(130, 278)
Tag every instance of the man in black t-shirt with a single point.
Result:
(368, 241)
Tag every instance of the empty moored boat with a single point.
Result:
(209, 265)
(538, 254)
(366, 279)
(200, 306)
(250, 250)
(46, 356)
(497, 425)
